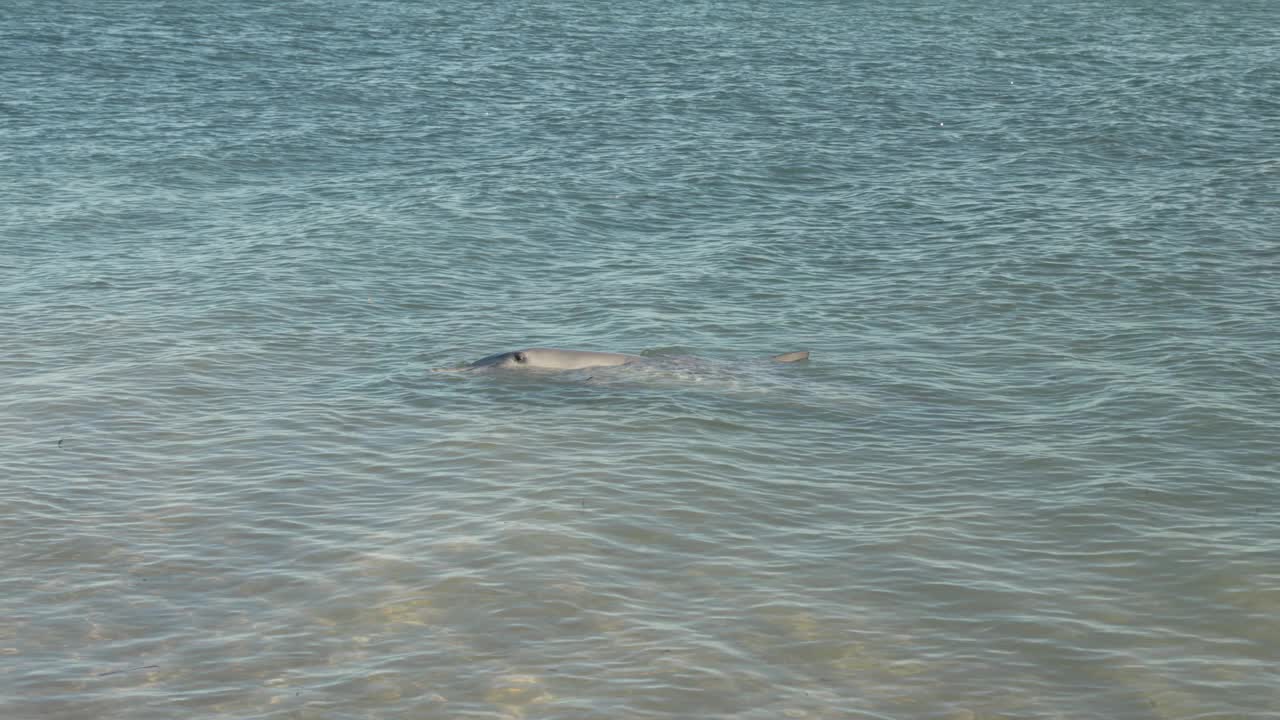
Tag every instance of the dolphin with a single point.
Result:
(559, 359)
(552, 359)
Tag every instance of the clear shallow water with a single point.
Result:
(1030, 471)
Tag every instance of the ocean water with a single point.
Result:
(1031, 470)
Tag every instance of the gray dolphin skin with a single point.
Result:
(558, 359)
(796, 356)
(552, 359)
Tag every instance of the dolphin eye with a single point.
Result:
(518, 357)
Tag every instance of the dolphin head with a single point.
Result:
(550, 359)
(513, 359)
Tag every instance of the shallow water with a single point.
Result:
(1029, 472)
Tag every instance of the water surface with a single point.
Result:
(1029, 472)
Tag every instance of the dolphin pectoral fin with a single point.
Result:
(791, 357)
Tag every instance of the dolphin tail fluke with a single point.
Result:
(791, 357)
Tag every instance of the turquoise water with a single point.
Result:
(1031, 470)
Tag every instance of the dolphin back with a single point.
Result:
(791, 357)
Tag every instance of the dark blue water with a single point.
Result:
(1030, 470)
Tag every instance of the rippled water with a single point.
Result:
(1030, 471)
